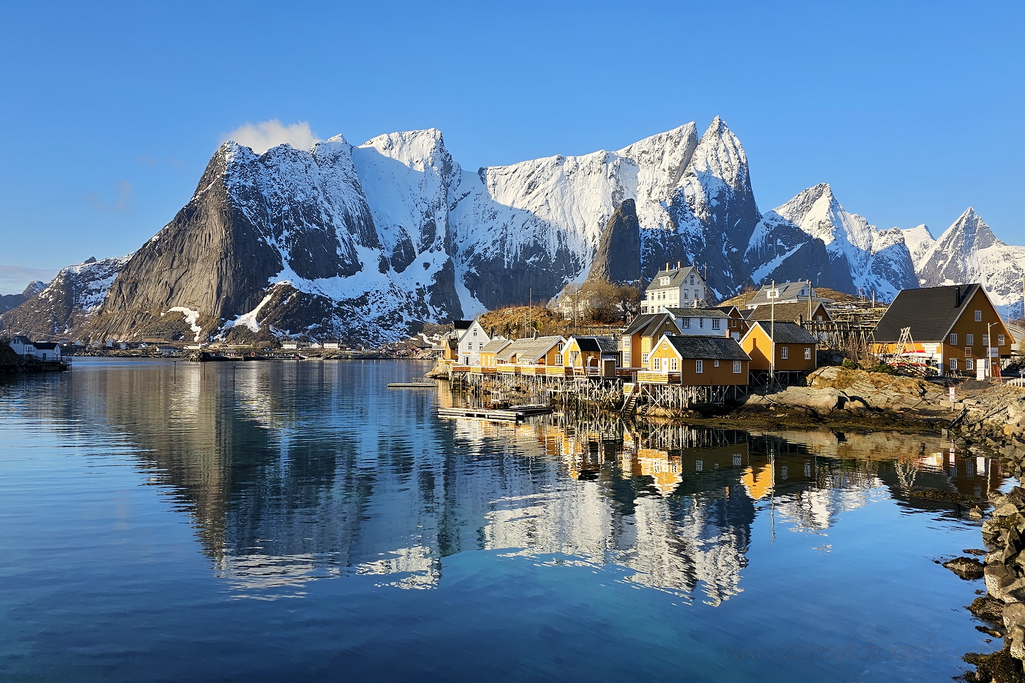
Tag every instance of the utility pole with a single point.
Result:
(772, 334)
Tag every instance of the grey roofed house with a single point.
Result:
(930, 312)
(785, 332)
(698, 313)
(461, 324)
(527, 350)
(599, 344)
(646, 324)
(707, 348)
(789, 292)
(495, 345)
(794, 312)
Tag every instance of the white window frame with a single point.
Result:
(656, 364)
(644, 358)
(699, 366)
(953, 365)
(969, 364)
(737, 367)
(807, 353)
(715, 363)
(686, 323)
(985, 340)
(673, 365)
(953, 338)
(558, 359)
(978, 316)
(969, 339)
(716, 323)
(1001, 340)
(784, 352)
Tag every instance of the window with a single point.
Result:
(807, 353)
(737, 460)
(969, 339)
(985, 340)
(978, 316)
(953, 338)
(715, 363)
(626, 342)
(686, 322)
(558, 359)
(663, 281)
(656, 363)
(673, 365)
(953, 365)
(686, 294)
(701, 322)
(644, 358)
(699, 465)
(559, 347)
(784, 352)
(737, 368)
(692, 279)
(716, 323)
(475, 333)
(969, 364)
(699, 366)
(967, 352)
(1001, 340)
(480, 345)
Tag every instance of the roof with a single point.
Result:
(495, 345)
(786, 332)
(795, 312)
(45, 346)
(598, 344)
(20, 338)
(728, 310)
(676, 276)
(707, 348)
(930, 312)
(528, 350)
(462, 324)
(647, 325)
(698, 313)
(788, 291)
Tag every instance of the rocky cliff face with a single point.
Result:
(9, 301)
(618, 258)
(362, 243)
(63, 308)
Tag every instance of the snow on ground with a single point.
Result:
(191, 318)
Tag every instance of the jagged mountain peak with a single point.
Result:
(720, 154)
(971, 231)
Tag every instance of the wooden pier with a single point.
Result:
(511, 414)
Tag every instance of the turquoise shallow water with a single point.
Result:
(301, 522)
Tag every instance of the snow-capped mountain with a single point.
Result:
(859, 258)
(362, 242)
(968, 251)
(66, 304)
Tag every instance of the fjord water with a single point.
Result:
(296, 521)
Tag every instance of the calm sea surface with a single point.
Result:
(288, 521)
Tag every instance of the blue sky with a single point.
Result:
(912, 111)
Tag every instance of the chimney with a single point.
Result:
(678, 265)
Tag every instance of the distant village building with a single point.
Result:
(700, 361)
(489, 354)
(709, 322)
(532, 351)
(954, 329)
(464, 344)
(795, 312)
(592, 353)
(642, 334)
(24, 347)
(787, 293)
(791, 346)
(678, 287)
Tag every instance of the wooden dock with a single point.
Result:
(421, 384)
(510, 414)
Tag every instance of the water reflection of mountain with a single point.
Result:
(293, 472)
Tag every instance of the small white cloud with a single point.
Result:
(262, 136)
